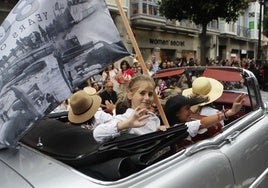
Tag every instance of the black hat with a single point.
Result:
(175, 103)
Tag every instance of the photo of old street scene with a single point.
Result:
(49, 46)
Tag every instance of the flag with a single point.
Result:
(48, 48)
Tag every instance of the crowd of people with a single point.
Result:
(121, 75)
(121, 100)
(260, 70)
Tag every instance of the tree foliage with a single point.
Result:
(202, 12)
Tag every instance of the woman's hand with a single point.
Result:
(109, 105)
(137, 119)
(237, 105)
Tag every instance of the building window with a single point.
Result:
(144, 8)
(135, 8)
(153, 10)
(150, 9)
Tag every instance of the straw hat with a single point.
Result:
(135, 60)
(90, 90)
(83, 106)
(205, 87)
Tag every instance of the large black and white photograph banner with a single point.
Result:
(48, 48)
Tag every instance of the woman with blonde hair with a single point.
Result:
(138, 118)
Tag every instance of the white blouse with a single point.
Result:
(108, 131)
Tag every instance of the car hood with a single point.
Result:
(33, 77)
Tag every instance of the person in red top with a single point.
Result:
(124, 75)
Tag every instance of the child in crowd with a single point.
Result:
(138, 119)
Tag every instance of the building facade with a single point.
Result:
(169, 39)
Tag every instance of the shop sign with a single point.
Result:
(166, 42)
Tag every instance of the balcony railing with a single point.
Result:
(149, 10)
(243, 32)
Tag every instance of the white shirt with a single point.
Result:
(101, 117)
(208, 111)
(112, 75)
(155, 67)
(193, 128)
(151, 72)
(107, 131)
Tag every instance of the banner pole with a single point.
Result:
(141, 60)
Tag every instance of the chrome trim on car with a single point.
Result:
(260, 179)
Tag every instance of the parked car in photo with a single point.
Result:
(54, 153)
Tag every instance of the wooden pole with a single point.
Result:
(141, 60)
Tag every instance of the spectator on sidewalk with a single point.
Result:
(108, 96)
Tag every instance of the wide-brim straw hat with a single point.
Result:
(90, 90)
(206, 88)
(83, 107)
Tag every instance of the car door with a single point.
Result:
(247, 149)
(246, 146)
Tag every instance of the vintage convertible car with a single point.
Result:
(54, 153)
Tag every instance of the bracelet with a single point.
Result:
(224, 113)
(225, 116)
